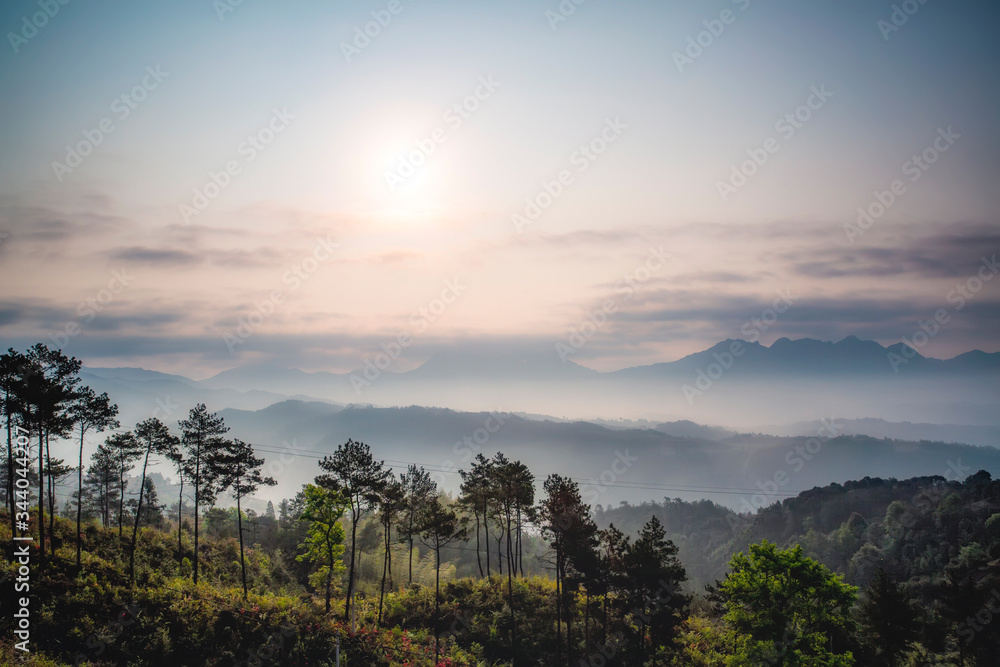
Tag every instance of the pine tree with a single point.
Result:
(418, 487)
(240, 473)
(152, 437)
(49, 381)
(439, 527)
(90, 412)
(202, 438)
(353, 472)
(889, 619)
(391, 504)
(127, 452)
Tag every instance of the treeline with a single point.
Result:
(925, 550)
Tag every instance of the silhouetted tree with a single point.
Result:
(90, 412)
(474, 499)
(202, 438)
(418, 488)
(49, 387)
(153, 437)
(127, 451)
(889, 620)
(391, 504)
(240, 472)
(654, 577)
(439, 527)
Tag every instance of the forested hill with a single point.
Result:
(922, 530)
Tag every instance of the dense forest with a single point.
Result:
(374, 566)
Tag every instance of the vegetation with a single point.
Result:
(875, 572)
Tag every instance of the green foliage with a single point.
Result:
(792, 607)
(324, 543)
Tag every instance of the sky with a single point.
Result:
(193, 186)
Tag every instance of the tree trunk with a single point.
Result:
(79, 498)
(385, 569)
(329, 570)
(486, 529)
(410, 538)
(135, 526)
(197, 497)
(520, 557)
(52, 497)
(121, 499)
(510, 598)
(355, 515)
(604, 630)
(437, 602)
(479, 559)
(499, 553)
(180, 513)
(10, 472)
(558, 607)
(239, 524)
(41, 498)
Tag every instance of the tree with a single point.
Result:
(569, 528)
(353, 472)
(177, 458)
(889, 620)
(439, 527)
(127, 451)
(418, 487)
(613, 550)
(324, 543)
(391, 505)
(152, 509)
(102, 481)
(12, 385)
(49, 386)
(474, 498)
(90, 412)
(202, 437)
(654, 577)
(153, 437)
(790, 606)
(243, 476)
